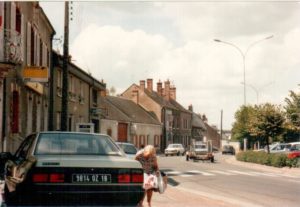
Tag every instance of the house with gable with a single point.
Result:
(125, 121)
(175, 119)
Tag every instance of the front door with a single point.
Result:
(122, 132)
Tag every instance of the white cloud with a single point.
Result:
(123, 44)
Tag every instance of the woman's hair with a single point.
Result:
(149, 150)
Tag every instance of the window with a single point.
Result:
(94, 97)
(18, 20)
(72, 143)
(71, 84)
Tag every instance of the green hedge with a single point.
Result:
(276, 160)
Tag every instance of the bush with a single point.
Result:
(276, 160)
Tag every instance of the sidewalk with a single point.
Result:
(284, 170)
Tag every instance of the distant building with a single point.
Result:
(25, 45)
(125, 121)
(84, 92)
(198, 126)
(175, 119)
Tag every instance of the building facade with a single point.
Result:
(175, 119)
(25, 45)
(125, 121)
(84, 94)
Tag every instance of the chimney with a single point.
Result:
(142, 85)
(191, 108)
(135, 96)
(173, 93)
(167, 89)
(150, 84)
(159, 88)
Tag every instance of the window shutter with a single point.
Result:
(37, 50)
(28, 46)
(13, 17)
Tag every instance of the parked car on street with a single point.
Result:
(280, 148)
(129, 149)
(174, 149)
(228, 149)
(71, 168)
(294, 150)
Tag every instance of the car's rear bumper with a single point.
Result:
(72, 195)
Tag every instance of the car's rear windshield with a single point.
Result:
(200, 146)
(75, 144)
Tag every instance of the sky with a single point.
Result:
(123, 42)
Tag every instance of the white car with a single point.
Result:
(280, 148)
(174, 149)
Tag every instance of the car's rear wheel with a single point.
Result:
(178, 153)
(212, 159)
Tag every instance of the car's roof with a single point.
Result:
(68, 132)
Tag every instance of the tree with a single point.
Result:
(241, 128)
(268, 123)
(112, 91)
(292, 125)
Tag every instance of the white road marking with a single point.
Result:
(200, 172)
(222, 172)
(241, 172)
(265, 174)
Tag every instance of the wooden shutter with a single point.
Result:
(13, 17)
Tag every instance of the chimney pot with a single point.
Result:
(150, 84)
(142, 85)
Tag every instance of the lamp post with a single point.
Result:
(257, 90)
(244, 54)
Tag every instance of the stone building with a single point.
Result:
(25, 45)
(175, 119)
(84, 94)
(125, 121)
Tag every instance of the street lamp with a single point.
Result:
(257, 90)
(244, 56)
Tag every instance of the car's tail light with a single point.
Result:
(124, 178)
(137, 178)
(40, 178)
(57, 178)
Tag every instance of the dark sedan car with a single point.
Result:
(69, 168)
(228, 149)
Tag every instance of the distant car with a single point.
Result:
(280, 148)
(59, 168)
(228, 149)
(129, 149)
(294, 150)
(174, 149)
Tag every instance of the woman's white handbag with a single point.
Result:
(150, 181)
(160, 182)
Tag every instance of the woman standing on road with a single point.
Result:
(147, 157)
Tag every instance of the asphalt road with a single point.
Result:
(239, 186)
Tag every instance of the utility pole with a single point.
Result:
(64, 100)
(221, 124)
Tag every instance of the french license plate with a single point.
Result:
(91, 178)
